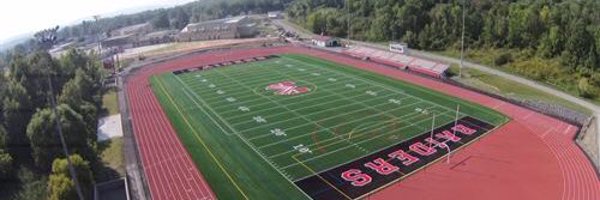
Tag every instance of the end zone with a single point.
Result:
(365, 175)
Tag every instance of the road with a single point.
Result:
(426, 55)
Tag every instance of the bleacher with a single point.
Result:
(400, 61)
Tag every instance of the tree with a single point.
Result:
(6, 166)
(161, 21)
(179, 18)
(45, 143)
(17, 111)
(3, 136)
(60, 185)
(586, 89)
(381, 26)
(578, 45)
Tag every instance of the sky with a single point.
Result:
(25, 16)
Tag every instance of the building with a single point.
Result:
(157, 37)
(326, 41)
(275, 15)
(122, 42)
(228, 28)
(138, 29)
(126, 37)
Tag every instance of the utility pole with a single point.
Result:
(96, 19)
(349, 16)
(47, 38)
(462, 41)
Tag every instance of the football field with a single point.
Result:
(278, 127)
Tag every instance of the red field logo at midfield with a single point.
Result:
(287, 88)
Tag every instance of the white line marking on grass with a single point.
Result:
(329, 95)
(355, 77)
(302, 116)
(243, 108)
(274, 115)
(406, 118)
(242, 138)
(230, 99)
(336, 126)
(259, 119)
(361, 142)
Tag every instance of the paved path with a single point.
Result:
(426, 55)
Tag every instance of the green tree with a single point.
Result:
(6, 166)
(45, 143)
(578, 45)
(586, 89)
(161, 21)
(17, 111)
(61, 186)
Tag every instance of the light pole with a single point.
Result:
(96, 18)
(47, 38)
(462, 41)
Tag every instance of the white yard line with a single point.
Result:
(406, 118)
(313, 113)
(290, 104)
(280, 171)
(363, 141)
(388, 87)
(303, 117)
(333, 127)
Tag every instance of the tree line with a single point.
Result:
(555, 41)
(29, 145)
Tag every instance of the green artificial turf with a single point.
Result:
(348, 114)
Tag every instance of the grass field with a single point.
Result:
(252, 143)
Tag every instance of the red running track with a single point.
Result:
(531, 157)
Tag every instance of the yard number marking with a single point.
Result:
(203, 80)
(230, 99)
(316, 74)
(369, 92)
(422, 111)
(395, 101)
(332, 79)
(301, 69)
(302, 149)
(212, 86)
(259, 119)
(220, 92)
(278, 132)
(351, 86)
(243, 108)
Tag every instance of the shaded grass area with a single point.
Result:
(523, 63)
(111, 163)
(232, 165)
(511, 89)
(110, 103)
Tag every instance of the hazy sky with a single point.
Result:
(23, 16)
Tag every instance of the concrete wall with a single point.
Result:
(588, 141)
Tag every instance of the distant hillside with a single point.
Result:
(11, 42)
